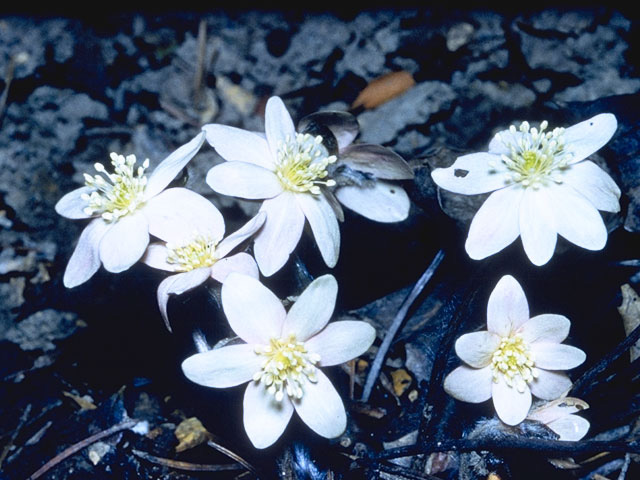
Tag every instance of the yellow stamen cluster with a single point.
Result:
(199, 252)
(536, 156)
(302, 164)
(514, 361)
(287, 362)
(121, 193)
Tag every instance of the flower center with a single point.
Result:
(286, 363)
(199, 252)
(514, 361)
(121, 193)
(536, 156)
(302, 164)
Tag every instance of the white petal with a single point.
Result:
(335, 204)
(472, 174)
(85, 260)
(538, 225)
(577, 219)
(511, 405)
(239, 263)
(177, 285)
(496, 224)
(382, 202)
(171, 166)
(178, 215)
(279, 234)
(125, 242)
(595, 184)
(239, 236)
(321, 407)
(585, 138)
(548, 327)
(341, 341)
(570, 428)
(507, 309)
(277, 124)
(72, 204)
(244, 180)
(324, 225)
(477, 348)
(237, 145)
(223, 367)
(550, 385)
(156, 257)
(377, 160)
(264, 418)
(313, 308)
(253, 311)
(555, 356)
(469, 384)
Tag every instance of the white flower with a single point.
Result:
(126, 207)
(281, 357)
(542, 186)
(559, 416)
(193, 248)
(285, 168)
(517, 356)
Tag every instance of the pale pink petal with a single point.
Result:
(324, 225)
(223, 367)
(507, 309)
(343, 125)
(477, 348)
(469, 384)
(335, 204)
(239, 263)
(585, 138)
(321, 407)
(278, 125)
(72, 204)
(264, 418)
(177, 285)
(124, 243)
(341, 341)
(313, 309)
(570, 428)
(473, 174)
(253, 311)
(496, 224)
(511, 405)
(555, 356)
(382, 202)
(156, 257)
(279, 234)
(550, 385)
(239, 236)
(237, 145)
(244, 180)
(555, 409)
(171, 166)
(85, 260)
(538, 225)
(377, 160)
(548, 327)
(594, 184)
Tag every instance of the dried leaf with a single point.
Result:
(564, 463)
(383, 89)
(556, 409)
(401, 381)
(85, 402)
(191, 433)
(630, 312)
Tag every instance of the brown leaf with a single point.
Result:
(630, 312)
(191, 433)
(401, 381)
(383, 89)
(83, 402)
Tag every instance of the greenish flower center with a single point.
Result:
(514, 361)
(199, 252)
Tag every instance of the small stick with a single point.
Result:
(179, 465)
(233, 456)
(14, 435)
(200, 67)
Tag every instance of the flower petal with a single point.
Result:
(341, 341)
(171, 166)
(264, 418)
(124, 243)
(279, 234)
(156, 257)
(237, 145)
(239, 236)
(177, 215)
(496, 224)
(547, 327)
(324, 225)
(477, 348)
(253, 311)
(570, 428)
(277, 125)
(538, 225)
(239, 263)
(550, 411)
(223, 367)
(595, 184)
(511, 405)
(585, 138)
(507, 309)
(377, 160)
(382, 202)
(335, 204)
(313, 309)
(72, 204)
(244, 180)
(85, 259)
(472, 174)
(321, 407)
(550, 385)
(555, 356)
(469, 384)
(177, 285)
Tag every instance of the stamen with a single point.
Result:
(515, 362)
(197, 253)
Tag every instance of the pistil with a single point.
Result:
(514, 362)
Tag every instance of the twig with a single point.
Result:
(404, 472)
(8, 78)
(397, 322)
(198, 81)
(625, 467)
(14, 435)
(233, 456)
(179, 465)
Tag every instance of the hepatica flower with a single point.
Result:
(125, 206)
(515, 357)
(282, 356)
(542, 186)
